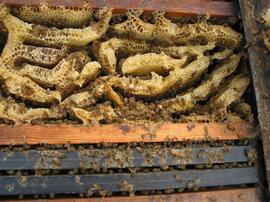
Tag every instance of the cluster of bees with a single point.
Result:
(74, 64)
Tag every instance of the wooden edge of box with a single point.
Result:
(172, 8)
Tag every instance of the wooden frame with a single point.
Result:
(141, 181)
(104, 161)
(191, 156)
(172, 8)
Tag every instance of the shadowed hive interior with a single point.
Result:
(89, 66)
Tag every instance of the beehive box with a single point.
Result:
(152, 78)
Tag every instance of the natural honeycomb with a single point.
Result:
(159, 85)
(141, 64)
(57, 16)
(205, 89)
(107, 51)
(101, 112)
(70, 64)
(72, 71)
(164, 30)
(21, 32)
(19, 113)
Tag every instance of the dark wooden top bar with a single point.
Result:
(172, 7)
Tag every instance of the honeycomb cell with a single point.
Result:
(55, 15)
(164, 30)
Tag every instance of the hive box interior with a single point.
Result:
(135, 128)
(129, 95)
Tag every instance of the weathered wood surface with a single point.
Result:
(69, 184)
(172, 7)
(116, 158)
(122, 133)
(232, 195)
(259, 63)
